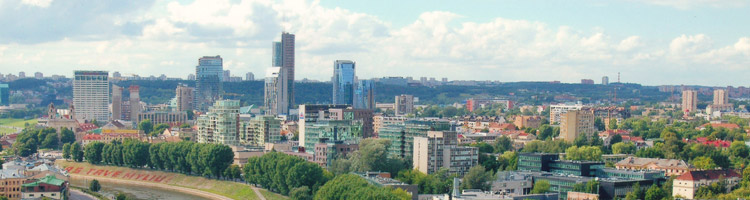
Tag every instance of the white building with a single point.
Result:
(91, 95)
(556, 111)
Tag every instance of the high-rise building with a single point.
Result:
(260, 130)
(271, 92)
(574, 123)
(283, 57)
(249, 76)
(4, 95)
(227, 76)
(343, 82)
(38, 75)
(116, 75)
(191, 77)
(184, 96)
(116, 102)
(440, 149)
(220, 125)
(209, 74)
(135, 103)
(556, 111)
(401, 134)
(91, 95)
(404, 104)
(364, 96)
(21, 75)
(689, 101)
(721, 97)
(605, 80)
(309, 114)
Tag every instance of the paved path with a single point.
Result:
(190, 191)
(76, 194)
(257, 192)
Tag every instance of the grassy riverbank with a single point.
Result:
(233, 190)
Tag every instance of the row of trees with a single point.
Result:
(371, 156)
(32, 139)
(210, 160)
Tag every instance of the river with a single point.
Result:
(141, 193)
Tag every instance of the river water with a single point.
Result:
(141, 193)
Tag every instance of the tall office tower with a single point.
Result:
(365, 95)
(249, 76)
(209, 74)
(116, 102)
(226, 76)
(343, 82)
(440, 149)
(404, 104)
(605, 80)
(577, 122)
(4, 95)
(689, 101)
(283, 56)
(721, 97)
(91, 95)
(220, 125)
(184, 96)
(191, 77)
(271, 92)
(135, 103)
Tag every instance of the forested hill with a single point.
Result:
(251, 92)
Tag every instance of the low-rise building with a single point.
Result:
(512, 183)
(327, 150)
(10, 183)
(47, 187)
(528, 121)
(670, 167)
(688, 183)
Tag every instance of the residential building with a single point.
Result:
(328, 150)
(383, 179)
(605, 80)
(556, 111)
(577, 123)
(404, 104)
(527, 121)
(721, 97)
(226, 76)
(311, 114)
(439, 149)
(587, 81)
(364, 95)
(116, 102)
(512, 183)
(272, 93)
(4, 95)
(10, 182)
(688, 183)
(91, 95)
(670, 167)
(249, 76)
(46, 187)
(401, 135)
(331, 130)
(135, 102)
(474, 103)
(208, 77)
(344, 83)
(185, 97)
(689, 101)
(38, 75)
(380, 121)
(260, 130)
(220, 124)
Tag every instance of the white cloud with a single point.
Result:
(690, 4)
(37, 3)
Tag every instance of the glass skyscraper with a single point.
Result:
(283, 58)
(209, 74)
(343, 82)
(365, 95)
(4, 95)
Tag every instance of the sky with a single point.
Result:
(651, 42)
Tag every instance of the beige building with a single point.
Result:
(575, 123)
(440, 150)
(11, 180)
(721, 97)
(689, 101)
(670, 167)
(404, 104)
(556, 111)
(116, 102)
(528, 121)
(688, 183)
(260, 130)
(184, 96)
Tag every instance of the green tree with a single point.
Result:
(636, 194)
(624, 148)
(540, 187)
(598, 124)
(301, 193)
(704, 162)
(615, 139)
(655, 193)
(613, 124)
(66, 151)
(67, 136)
(591, 153)
(95, 186)
(121, 196)
(146, 126)
(477, 178)
(503, 144)
(76, 152)
(350, 186)
(50, 140)
(93, 152)
(739, 149)
(159, 129)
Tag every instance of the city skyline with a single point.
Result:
(666, 42)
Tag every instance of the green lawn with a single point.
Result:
(272, 196)
(4, 130)
(17, 122)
